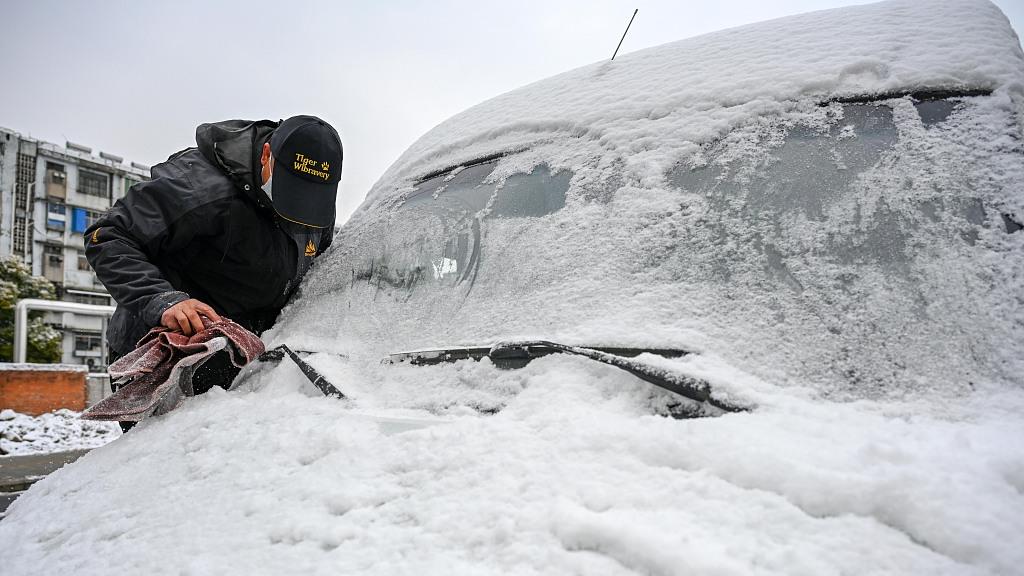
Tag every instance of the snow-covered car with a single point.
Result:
(805, 231)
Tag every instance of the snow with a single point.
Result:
(574, 476)
(700, 88)
(35, 367)
(51, 432)
(716, 205)
(842, 270)
(862, 266)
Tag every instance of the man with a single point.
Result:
(227, 228)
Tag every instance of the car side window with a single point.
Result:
(437, 233)
(465, 191)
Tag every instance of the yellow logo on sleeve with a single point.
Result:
(310, 248)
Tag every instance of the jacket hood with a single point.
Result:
(234, 147)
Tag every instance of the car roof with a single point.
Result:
(698, 88)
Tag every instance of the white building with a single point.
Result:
(49, 195)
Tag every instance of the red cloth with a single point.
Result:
(158, 373)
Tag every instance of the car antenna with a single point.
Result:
(626, 32)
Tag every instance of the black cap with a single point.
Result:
(307, 168)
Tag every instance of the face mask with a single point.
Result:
(266, 187)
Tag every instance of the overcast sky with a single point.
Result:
(135, 77)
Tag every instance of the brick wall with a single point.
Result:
(38, 388)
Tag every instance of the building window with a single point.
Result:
(83, 262)
(56, 173)
(56, 215)
(81, 219)
(129, 182)
(54, 255)
(53, 263)
(88, 341)
(94, 299)
(23, 199)
(56, 181)
(93, 183)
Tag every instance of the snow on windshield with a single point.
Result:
(860, 248)
(718, 194)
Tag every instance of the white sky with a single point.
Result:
(134, 78)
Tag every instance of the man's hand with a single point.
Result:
(184, 316)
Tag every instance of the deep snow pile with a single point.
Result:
(52, 432)
(573, 476)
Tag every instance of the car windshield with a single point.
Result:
(855, 229)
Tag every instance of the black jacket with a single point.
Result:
(201, 228)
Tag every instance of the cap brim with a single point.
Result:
(303, 202)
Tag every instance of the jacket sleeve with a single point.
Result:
(326, 237)
(125, 245)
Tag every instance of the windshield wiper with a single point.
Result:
(519, 354)
(919, 95)
(510, 355)
(275, 355)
